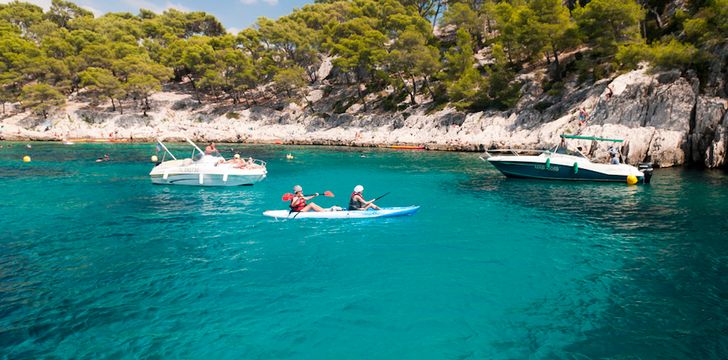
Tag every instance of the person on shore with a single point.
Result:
(583, 115)
(357, 202)
(298, 203)
(211, 149)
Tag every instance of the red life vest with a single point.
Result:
(299, 205)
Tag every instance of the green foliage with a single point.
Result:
(630, 54)
(709, 26)
(411, 58)
(374, 45)
(608, 23)
(41, 98)
(672, 54)
(464, 17)
(290, 80)
(664, 55)
(102, 83)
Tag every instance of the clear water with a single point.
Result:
(96, 262)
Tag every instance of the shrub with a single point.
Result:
(672, 54)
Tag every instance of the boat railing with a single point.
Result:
(260, 162)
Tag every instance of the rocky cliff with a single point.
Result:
(662, 117)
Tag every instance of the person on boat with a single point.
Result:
(211, 149)
(105, 158)
(235, 161)
(614, 153)
(357, 202)
(298, 203)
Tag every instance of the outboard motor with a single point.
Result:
(646, 169)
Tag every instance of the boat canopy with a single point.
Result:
(580, 137)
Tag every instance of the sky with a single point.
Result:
(234, 14)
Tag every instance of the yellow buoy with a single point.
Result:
(631, 180)
(26, 159)
(155, 158)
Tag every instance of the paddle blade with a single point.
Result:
(329, 194)
(287, 197)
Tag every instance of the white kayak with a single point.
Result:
(344, 214)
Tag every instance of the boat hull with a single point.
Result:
(366, 214)
(563, 169)
(207, 179)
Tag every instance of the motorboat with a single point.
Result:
(203, 169)
(560, 163)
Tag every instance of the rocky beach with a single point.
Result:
(662, 117)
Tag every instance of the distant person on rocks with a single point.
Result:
(583, 115)
(609, 93)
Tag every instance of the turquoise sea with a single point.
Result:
(96, 262)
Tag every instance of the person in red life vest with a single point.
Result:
(298, 203)
(357, 202)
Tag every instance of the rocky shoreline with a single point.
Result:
(662, 117)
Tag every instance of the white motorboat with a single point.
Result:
(206, 169)
(562, 164)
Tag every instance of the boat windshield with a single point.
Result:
(565, 151)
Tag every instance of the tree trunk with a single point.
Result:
(427, 86)
(194, 89)
(359, 92)
(657, 17)
(437, 12)
(113, 105)
(146, 105)
(121, 109)
(556, 61)
(413, 95)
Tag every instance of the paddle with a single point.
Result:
(379, 197)
(289, 196)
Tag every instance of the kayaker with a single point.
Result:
(357, 202)
(298, 203)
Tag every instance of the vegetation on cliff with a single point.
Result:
(471, 60)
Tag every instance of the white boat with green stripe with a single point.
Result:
(559, 163)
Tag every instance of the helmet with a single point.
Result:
(297, 188)
(237, 156)
(358, 188)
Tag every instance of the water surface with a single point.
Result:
(97, 262)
